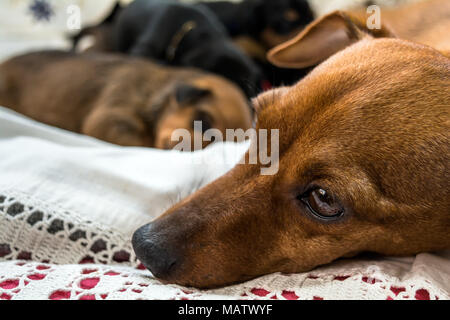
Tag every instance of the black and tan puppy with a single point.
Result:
(184, 35)
(269, 22)
(254, 25)
(259, 25)
(122, 100)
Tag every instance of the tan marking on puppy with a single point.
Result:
(251, 47)
(269, 38)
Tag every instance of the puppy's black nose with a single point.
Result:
(154, 251)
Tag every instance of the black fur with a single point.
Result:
(252, 17)
(150, 28)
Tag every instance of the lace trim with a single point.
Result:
(33, 280)
(31, 230)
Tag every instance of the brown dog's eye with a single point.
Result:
(322, 204)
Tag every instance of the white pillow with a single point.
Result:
(43, 24)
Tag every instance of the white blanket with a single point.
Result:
(122, 187)
(67, 199)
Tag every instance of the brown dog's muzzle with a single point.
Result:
(155, 251)
(167, 245)
(204, 243)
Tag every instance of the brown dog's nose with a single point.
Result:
(154, 251)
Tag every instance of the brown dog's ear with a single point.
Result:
(186, 93)
(323, 38)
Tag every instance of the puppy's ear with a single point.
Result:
(323, 38)
(186, 93)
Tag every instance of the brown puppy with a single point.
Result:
(127, 101)
(363, 166)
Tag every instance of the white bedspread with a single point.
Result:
(118, 186)
(67, 200)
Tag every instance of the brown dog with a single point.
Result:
(127, 101)
(364, 166)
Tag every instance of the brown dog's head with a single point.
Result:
(213, 101)
(363, 166)
(150, 119)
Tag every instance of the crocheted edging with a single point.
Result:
(33, 230)
(34, 280)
